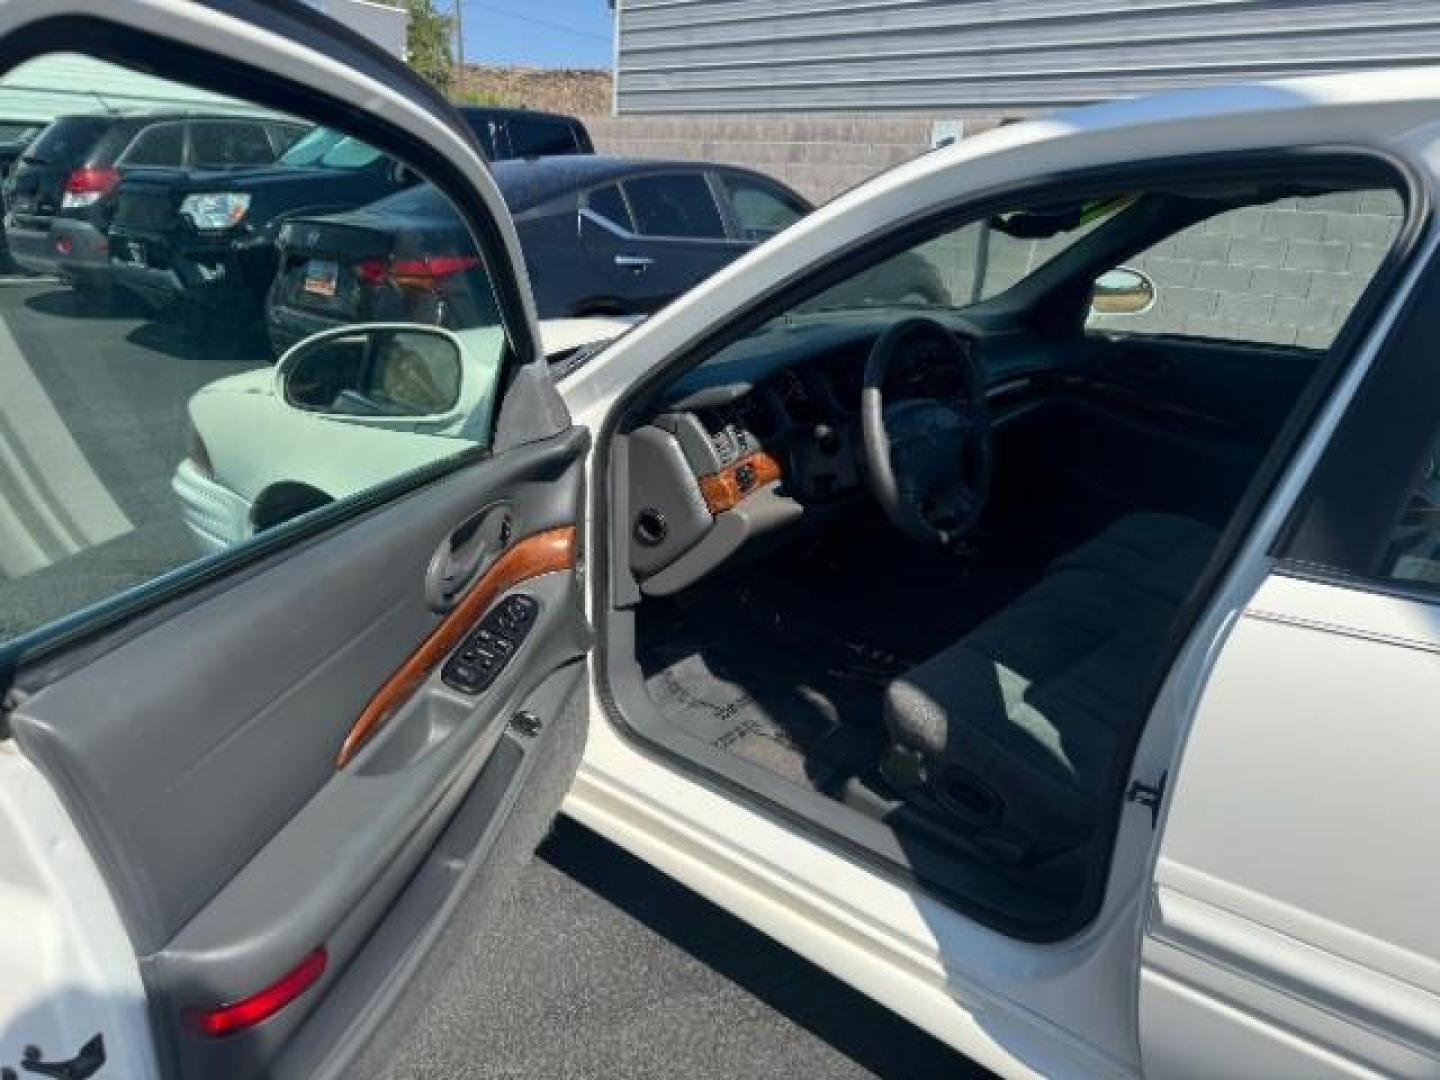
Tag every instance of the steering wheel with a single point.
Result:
(929, 460)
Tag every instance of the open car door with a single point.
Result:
(260, 742)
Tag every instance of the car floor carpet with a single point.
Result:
(784, 662)
(755, 695)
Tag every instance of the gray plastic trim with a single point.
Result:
(762, 514)
(661, 482)
(196, 755)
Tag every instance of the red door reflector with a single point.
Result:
(247, 1012)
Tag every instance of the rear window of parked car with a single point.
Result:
(536, 138)
(223, 142)
(67, 140)
(677, 204)
(761, 211)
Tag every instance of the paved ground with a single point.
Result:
(85, 501)
(600, 966)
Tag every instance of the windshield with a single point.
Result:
(972, 263)
(326, 148)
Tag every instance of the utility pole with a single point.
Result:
(459, 42)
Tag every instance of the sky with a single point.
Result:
(544, 33)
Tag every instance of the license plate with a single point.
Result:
(320, 277)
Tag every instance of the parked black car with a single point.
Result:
(203, 240)
(15, 137)
(601, 235)
(525, 133)
(61, 193)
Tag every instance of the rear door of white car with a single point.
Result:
(1292, 929)
(241, 794)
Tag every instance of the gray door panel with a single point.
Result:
(199, 755)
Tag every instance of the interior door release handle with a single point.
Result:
(637, 263)
(466, 554)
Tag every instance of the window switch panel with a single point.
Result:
(483, 655)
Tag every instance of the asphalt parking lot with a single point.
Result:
(92, 424)
(599, 966)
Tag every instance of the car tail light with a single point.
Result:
(429, 271)
(87, 184)
(246, 1013)
(372, 271)
(64, 245)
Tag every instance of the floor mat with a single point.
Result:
(757, 704)
(785, 663)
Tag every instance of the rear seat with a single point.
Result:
(1015, 727)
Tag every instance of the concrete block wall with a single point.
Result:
(818, 155)
(1287, 273)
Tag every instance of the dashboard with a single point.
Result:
(764, 437)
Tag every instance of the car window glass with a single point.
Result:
(483, 127)
(160, 144)
(65, 141)
(1287, 272)
(610, 204)
(326, 148)
(163, 433)
(761, 211)
(284, 136)
(676, 204)
(536, 138)
(971, 263)
(1324, 249)
(216, 144)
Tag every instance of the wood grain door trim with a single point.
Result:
(539, 553)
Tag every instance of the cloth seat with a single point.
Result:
(1017, 725)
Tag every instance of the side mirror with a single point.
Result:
(1122, 291)
(379, 372)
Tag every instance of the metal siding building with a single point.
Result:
(988, 56)
(39, 90)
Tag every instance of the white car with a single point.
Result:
(1054, 664)
(257, 458)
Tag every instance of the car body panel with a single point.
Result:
(1022, 1007)
(51, 238)
(1068, 1007)
(162, 258)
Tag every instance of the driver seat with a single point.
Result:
(1015, 728)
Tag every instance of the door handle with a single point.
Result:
(637, 263)
(466, 554)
